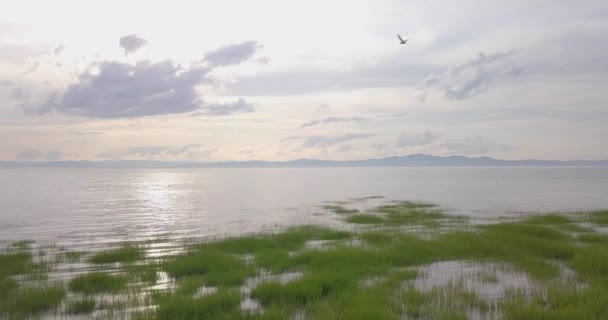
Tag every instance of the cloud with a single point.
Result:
(476, 145)
(222, 109)
(232, 54)
(58, 50)
(332, 120)
(36, 155)
(415, 139)
(17, 53)
(390, 72)
(323, 142)
(155, 151)
(6, 83)
(473, 77)
(123, 91)
(132, 43)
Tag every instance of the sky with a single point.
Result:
(283, 80)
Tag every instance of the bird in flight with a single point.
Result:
(403, 41)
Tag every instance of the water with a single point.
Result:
(84, 206)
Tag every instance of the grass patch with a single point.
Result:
(16, 263)
(213, 306)
(123, 254)
(216, 268)
(364, 219)
(81, 306)
(29, 302)
(340, 209)
(600, 217)
(97, 282)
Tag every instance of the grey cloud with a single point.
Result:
(125, 91)
(16, 53)
(232, 54)
(58, 50)
(222, 109)
(6, 83)
(20, 94)
(32, 68)
(473, 77)
(347, 148)
(132, 43)
(155, 151)
(35, 155)
(322, 142)
(332, 120)
(476, 145)
(387, 73)
(415, 139)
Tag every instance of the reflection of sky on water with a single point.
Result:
(86, 207)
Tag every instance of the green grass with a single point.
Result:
(600, 217)
(340, 209)
(342, 279)
(81, 306)
(216, 268)
(28, 302)
(97, 282)
(123, 254)
(364, 219)
(16, 263)
(209, 307)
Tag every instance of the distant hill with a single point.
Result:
(414, 160)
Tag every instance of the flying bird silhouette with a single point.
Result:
(403, 41)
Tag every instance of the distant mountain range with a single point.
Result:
(414, 160)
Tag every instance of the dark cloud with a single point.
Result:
(123, 91)
(223, 109)
(332, 120)
(322, 142)
(132, 43)
(474, 77)
(37, 155)
(415, 139)
(232, 54)
(473, 146)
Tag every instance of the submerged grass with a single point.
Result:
(81, 306)
(365, 219)
(97, 282)
(366, 274)
(127, 253)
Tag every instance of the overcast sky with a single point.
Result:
(282, 80)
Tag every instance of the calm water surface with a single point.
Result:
(85, 206)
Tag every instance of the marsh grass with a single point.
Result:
(340, 209)
(97, 282)
(600, 217)
(81, 306)
(364, 219)
(125, 254)
(363, 274)
(28, 302)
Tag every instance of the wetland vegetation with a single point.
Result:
(400, 260)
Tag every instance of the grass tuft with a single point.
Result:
(82, 306)
(123, 254)
(364, 219)
(97, 282)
